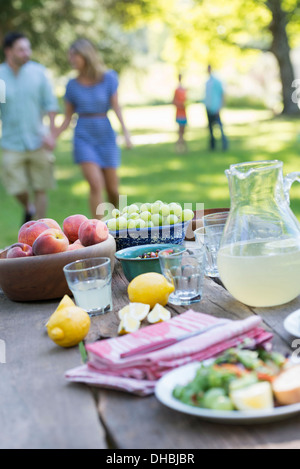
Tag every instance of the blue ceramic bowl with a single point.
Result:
(171, 234)
(133, 265)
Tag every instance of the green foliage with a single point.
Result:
(133, 13)
(52, 26)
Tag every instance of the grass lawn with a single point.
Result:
(153, 170)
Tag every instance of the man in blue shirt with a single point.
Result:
(214, 100)
(27, 146)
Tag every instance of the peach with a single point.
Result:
(71, 226)
(78, 243)
(92, 232)
(30, 231)
(50, 241)
(74, 246)
(50, 223)
(19, 250)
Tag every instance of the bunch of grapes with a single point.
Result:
(148, 215)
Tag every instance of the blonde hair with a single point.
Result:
(95, 67)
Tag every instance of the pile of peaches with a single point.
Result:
(45, 236)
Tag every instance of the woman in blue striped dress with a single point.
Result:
(90, 95)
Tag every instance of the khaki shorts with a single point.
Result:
(25, 171)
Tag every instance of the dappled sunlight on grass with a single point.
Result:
(214, 179)
(152, 138)
(217, 194)
(131, 171)
(244, 116)
(65, 173)
(175, 165)
(260, 143)
(135, 193)
(80, 188)
(163, 117)
(151, 117)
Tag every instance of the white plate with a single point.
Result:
(186, 373)
(292, 323)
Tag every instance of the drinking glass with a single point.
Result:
(210, 238)
(218, 218)
(90, 282)
(185, 270)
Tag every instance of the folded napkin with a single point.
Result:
(139, 373)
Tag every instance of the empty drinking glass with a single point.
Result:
(218, 218)
(210, 238)
(185, 270)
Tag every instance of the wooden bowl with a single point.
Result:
(39, 278)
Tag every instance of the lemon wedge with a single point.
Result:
(128, 324)
(258, 396)
(123, 311)
(158, 314)
(139, 310)
(135, 310)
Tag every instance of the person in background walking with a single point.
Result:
(179, 102)
(91, 94)
(27, 146)
(214, 101)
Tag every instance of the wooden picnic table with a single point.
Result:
(39, 409)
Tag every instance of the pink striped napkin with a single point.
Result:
(138, 374)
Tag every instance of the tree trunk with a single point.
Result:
(281, 49)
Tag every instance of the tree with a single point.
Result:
(280, 47)
(52, 25)
(266, 25)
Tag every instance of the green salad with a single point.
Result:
(239, 379)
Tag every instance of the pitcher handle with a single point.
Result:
(287, 183)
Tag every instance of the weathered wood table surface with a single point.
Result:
(39, 409)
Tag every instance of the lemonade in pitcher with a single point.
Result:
(257, 278)
(259, 256)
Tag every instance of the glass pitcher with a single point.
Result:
(259, 256)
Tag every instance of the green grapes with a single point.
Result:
(148, 215)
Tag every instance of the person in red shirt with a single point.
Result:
(181, 118)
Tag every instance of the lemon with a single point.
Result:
(68, 325)
(255, 397)
(128, 324)
(158, 314)
(150, 288)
